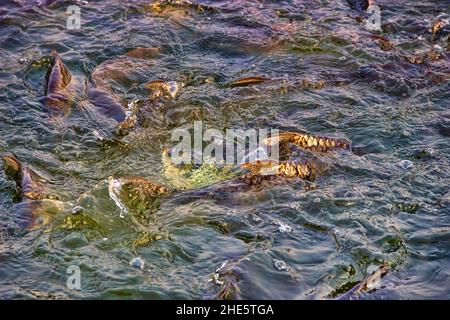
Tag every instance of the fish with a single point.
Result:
(26, 180)
(304, 169)
(106, 104)
(247, 81)
(360, 5)
(161, 88)
(143, 53)
(34, 200)
(368, 284)
(309, 141)
(437, 28)
(385, 44)
(136, 192)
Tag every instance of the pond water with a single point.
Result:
(387, 204)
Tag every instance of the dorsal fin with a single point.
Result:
(58, 76)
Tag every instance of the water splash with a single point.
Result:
(114, 188)
(284, 228)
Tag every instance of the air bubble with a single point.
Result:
(137, 263)
(406, 164)
(280, 265)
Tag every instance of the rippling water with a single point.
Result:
(292, 241)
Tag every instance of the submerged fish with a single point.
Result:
(120, 71)
(26, 180)
(143, 53)
(385, 44)
(437, 29)
(367, 284)
(35, 201)
(137, 193)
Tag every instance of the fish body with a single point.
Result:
(310, 142)
(34, 202)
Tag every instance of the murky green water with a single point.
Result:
(292, 241)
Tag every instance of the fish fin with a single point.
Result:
(58, 76)
(281, 137)
(247, 81)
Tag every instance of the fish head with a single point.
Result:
(12, 167)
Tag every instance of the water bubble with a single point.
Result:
(280, 265)
(316, 200)
(137, 263)
(406, 164)
(77, 210)
(22, 60)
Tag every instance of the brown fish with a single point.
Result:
(436, 29)
(306, 170)
(143, 53)
(385, 44)
(310, 142)
(139, 192)
(34, 202)
(26, 180)
(161, 88)
(247, 81)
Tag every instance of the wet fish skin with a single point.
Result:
(106, 104)
(60, 87)
(143, 53)
(360, 5)
(58, 76)
(26, 179)
(310, 142)
(33, 200)
(306, 170)
(385, 44)
(437, 29)
(247, 81)
(143, 187)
